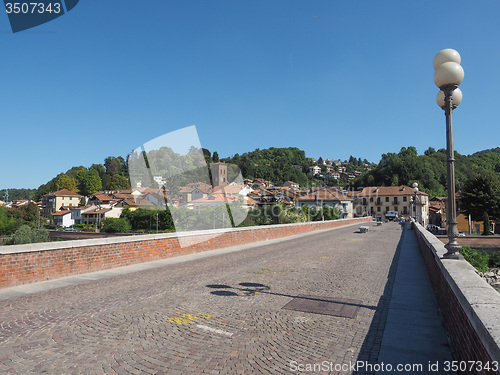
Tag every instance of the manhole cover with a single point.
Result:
(346, 308)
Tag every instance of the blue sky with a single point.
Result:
(334, 78)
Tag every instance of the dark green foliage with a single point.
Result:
(494, 261)
(88, 181)
(142, 219)
(8, 222)
(215, 157)
(282, 214)
(112, 225)
(17, 194)
(25, 234)
(491, 150)
(481, 194)
(430, 169)
(274, 164)
(479, 259)
(486, 225)
(278, 213)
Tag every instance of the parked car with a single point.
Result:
(391, 215)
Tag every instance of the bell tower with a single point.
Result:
(219, 174)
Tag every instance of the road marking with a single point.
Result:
(250, 293)
(188, 318)
(214, 330)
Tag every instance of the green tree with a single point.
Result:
(118, 182)
(88, 181)
(480, 195)
(8, 223)
(63, 181)
(486, 225)
(215, 157)
(99, 168)
(25, 234)
(30, 212)
(112, 225)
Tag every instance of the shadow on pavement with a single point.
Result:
(246, 289)
(370, 349)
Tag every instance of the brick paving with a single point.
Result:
(216, 315)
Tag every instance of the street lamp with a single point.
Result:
(415, 190)
(447, 76)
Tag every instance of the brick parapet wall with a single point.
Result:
(469, 306)
(478, 241)
(23, 264)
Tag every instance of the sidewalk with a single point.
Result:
(414, 332)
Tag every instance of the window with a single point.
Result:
(387, 199)
(405, 210)
(395, 200)
(371, 200)
(378, 209)
(396, 208)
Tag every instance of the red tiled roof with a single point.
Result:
(103, 198)
(229, 189)
(215, 198)
(139, 203)
(325, 195)
(61, 213)
(64, 193)
(96, 211)
(385, 190)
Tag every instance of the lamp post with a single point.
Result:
(415, 190)
(447, 76)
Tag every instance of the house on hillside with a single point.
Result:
(261, 182)
(315, 170)
(328, 198)
(52, 202)
(102, 200)
(291, 184)
(63, 218)
(213, 200)
(233, 190)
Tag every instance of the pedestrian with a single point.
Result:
(402, 223)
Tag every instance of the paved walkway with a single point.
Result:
(223, 314)
(414, 334)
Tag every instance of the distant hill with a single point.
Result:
(429, 169)
(479, 153)
(17, 194)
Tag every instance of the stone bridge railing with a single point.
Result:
(469, 306)
(23, 264)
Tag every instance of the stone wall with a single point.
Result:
(469, 306)
(23, 264)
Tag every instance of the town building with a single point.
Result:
(377, 200)
(328, 198)
(63, 218)
(219, 174)
(61, 199)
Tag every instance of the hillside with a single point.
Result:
(291, 164)
(429, 169)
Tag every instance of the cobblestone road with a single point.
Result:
(217, 315)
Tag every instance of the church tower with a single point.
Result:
(219, 174)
